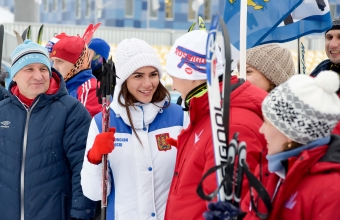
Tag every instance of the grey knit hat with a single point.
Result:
(273, 61)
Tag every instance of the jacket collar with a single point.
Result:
(141, 114)
(79, 79)
(199, 106)
(55, 93)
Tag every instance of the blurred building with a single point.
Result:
(168, 14)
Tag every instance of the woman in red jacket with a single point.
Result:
(268, 66)
(303, 172)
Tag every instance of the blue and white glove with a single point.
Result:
(221, 211)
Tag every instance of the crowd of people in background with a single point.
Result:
(52, 143)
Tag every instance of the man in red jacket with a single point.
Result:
(186, 65)
(71, 57)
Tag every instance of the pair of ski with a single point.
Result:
(232, 171)
(230, 158)
(27, 34)
(201, 25)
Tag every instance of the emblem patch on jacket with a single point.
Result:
(161, 142)
(291, 202)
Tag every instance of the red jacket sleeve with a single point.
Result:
(87, 96)
(210, 183)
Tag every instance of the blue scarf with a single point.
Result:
(274, 161)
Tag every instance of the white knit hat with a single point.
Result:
(133, 54)
(304, 108)
(187, 57)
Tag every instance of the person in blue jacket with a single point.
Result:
(43, 135)
(3, 91)
(99, 50)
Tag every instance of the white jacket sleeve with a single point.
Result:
(91, 174)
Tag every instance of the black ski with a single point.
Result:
(2, 35)
(24, 33)
(40, 33)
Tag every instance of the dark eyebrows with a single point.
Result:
(32, 64)
(333, 35)
(156, 71)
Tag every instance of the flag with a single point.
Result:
(310, 16)
(155, 5)
(196, 4)
(262, 18)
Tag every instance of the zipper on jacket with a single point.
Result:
(150, 160)
(22, 173)
(144, 127)
(177, 176)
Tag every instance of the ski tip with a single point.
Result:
(19, 38)
(201, 24)
(192, 27)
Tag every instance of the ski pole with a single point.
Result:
(106, 88)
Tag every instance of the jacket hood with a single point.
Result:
(142, 114)
(77, 80)
(3, 93)
(324, 65)
(247, 96)
(243, 95)
(331, 159)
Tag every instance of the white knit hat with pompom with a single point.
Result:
(304, 108)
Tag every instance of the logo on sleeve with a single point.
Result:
(197, 137)
(5, 124)
(161, 142)
(291, 202)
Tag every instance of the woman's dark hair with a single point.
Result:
(160, 94)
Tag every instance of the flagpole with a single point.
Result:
(301, 56)
(243, 38)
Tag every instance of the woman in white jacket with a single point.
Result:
(142, 163)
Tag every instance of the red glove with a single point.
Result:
(171, 141)
(103, 144)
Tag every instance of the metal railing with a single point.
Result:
(114, 35)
